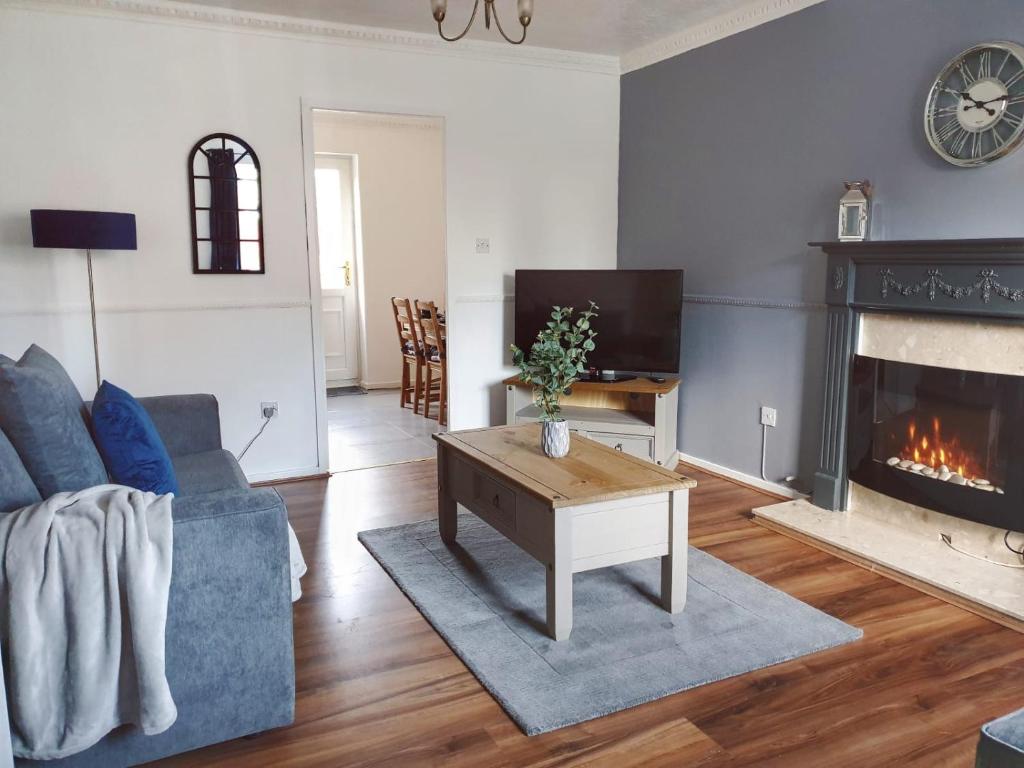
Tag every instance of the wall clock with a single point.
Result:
(975, 109)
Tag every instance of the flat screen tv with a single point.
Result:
(639, 322)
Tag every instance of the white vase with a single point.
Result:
(554, 438)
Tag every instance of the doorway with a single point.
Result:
(380, 218)
(336, 195)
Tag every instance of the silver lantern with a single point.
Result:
(854, 210)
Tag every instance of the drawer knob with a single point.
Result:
(618, 447)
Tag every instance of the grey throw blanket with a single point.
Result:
(83, 608)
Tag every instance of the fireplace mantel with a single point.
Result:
(966, 278)
(984, 278)
(913, 248)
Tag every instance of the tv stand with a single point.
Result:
(636, 416)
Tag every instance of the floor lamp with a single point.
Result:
(85, 231)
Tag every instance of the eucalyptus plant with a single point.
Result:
(557, 358)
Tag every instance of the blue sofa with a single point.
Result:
(230, 659)
(1002, 742)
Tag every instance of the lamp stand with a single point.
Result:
(92, 310)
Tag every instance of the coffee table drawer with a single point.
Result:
(494, 502)
(634, 445)
(482, 495)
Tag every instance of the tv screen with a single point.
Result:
(639, 321)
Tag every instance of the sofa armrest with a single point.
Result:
(231, 501)
(230, 659)
(186, 423)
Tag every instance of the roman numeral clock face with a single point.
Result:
(975, 110)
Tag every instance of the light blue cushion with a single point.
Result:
(43, 415)
(16, 487)
(1002, 742)
(129, 443)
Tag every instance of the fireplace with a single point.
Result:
(944, 439)
(922, 443)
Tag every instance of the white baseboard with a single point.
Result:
(380, 384)
(284, 474)
(742, 477)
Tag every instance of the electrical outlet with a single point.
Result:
(483, 245)
(269, 409)
(768, 416)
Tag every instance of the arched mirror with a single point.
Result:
(227, 203)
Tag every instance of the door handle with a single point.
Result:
(347, 266)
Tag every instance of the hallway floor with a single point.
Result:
(371, 430)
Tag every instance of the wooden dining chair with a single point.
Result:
(411, 347)
(435, 359)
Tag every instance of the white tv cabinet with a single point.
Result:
(637, 417)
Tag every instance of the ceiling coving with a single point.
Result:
(523, 7)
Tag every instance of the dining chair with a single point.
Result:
(413, 366)
(435, 359)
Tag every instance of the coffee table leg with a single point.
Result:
(559, 577)
(447, 509)
(673, 565)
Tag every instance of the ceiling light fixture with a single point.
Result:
(524, 7)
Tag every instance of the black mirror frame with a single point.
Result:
(197, 147)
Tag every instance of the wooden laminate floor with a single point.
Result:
(377, 686)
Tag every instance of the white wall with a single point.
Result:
(400, 162)
(99, 112)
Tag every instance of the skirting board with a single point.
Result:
(380, 384)
(285, 475)
(742, 477)
(294, 479)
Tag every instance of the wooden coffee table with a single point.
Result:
(594, 508)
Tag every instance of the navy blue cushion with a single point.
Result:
(43, 416)
(16, 487)
(129, 443)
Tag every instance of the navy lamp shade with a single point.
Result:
(85, 231)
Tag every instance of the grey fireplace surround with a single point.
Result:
(970, 278)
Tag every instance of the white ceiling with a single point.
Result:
(610, 27)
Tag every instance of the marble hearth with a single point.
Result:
(946, 305)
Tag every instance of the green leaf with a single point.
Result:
(557, 357)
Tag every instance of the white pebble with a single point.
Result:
(893, 461)
(956, 479)
(985, 487)
(944, 470)
(929, 472)
(1000, 491)
(944, 476)
(916, 467)
(982, 482)
(905, 463)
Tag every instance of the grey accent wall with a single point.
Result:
(732, 158)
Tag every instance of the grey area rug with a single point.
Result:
(486, 598)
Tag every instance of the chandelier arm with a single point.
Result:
(472, 18)
(497, 21)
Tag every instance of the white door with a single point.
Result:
(335, 216)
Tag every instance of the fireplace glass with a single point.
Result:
(944, 439)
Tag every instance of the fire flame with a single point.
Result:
(936, 450)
